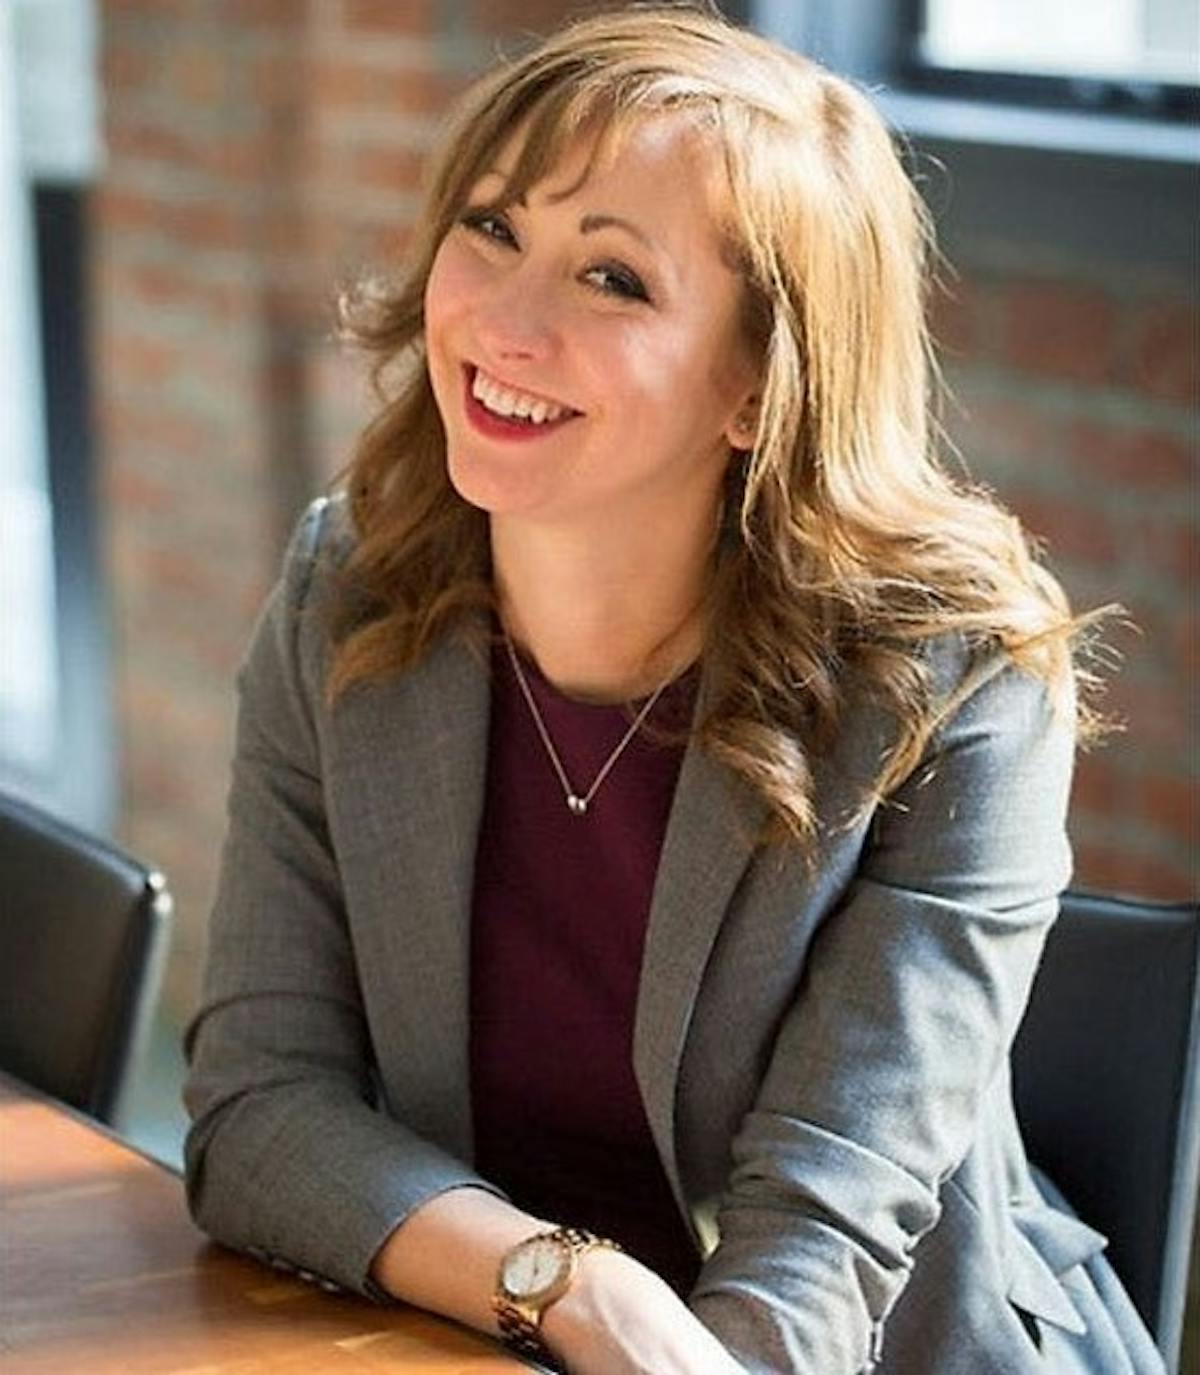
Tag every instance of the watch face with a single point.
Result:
(535, 1267)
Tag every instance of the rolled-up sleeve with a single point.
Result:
(911, 996)
(287, 1156)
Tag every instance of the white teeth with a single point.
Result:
(501, 401)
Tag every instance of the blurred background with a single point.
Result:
(184, 184)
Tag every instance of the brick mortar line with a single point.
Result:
(1001, 260)
(1136, 838)
(1111, 403)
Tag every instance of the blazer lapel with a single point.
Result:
(416, 749)
(710, 839)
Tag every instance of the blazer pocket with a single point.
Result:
(1044, 1243)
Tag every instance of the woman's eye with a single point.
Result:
(489, 224)
(608, 279)
(612, 280)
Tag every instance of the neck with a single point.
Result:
(604, 619)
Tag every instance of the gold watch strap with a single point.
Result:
(520, 1324)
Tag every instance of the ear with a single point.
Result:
(742, 429)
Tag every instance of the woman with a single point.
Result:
(648, 802)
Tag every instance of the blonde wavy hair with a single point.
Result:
(848, 546)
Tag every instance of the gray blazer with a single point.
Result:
(822, 1053)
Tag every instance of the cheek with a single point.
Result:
(446, 293)
(656, 364)
(730, 374)
(434, 299)
(449, 288)
(677, 367)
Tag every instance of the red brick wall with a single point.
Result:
(1078, 387)
(259, 153)
(262, 150)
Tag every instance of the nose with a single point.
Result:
(516, 319)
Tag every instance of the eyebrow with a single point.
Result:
(590, 223)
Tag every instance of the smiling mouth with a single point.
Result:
(512, 405)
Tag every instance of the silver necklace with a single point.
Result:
(578, 804)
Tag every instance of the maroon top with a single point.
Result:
(560, 911)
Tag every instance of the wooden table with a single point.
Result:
(103, 1273)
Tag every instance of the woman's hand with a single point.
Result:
(619, 1318)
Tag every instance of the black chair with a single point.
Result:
(83, 941)
(1106, 1073)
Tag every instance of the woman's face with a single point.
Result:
(585, 349)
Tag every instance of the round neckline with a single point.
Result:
(623, 705)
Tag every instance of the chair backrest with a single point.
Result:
(1106, 1076)
(83, 938)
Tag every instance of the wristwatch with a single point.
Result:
(533, 1275)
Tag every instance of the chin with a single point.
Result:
(480, 485)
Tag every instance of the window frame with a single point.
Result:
(865, 40)
(52, 46)
(1082, 94)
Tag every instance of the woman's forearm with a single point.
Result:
(616, 1318)
(446, 1254)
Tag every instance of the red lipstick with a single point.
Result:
(501, 427)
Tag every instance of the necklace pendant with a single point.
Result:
(576, 805)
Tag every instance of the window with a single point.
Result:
(1125, 56)
(28, 649)
(54, 733)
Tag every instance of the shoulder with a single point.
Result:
(321, 541)
(311, 593)
(988, 733)
(998, 754)
(978, 684)
(289, 647)
(947, 688)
